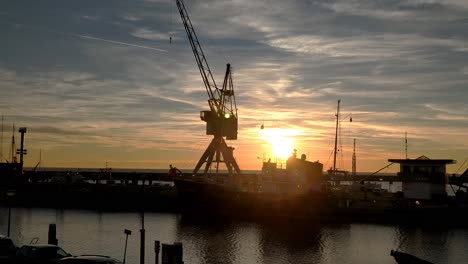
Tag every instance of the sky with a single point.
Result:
(99, 83)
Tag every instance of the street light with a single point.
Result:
(9, 193)
(127, 233)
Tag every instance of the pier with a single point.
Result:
(129, 176)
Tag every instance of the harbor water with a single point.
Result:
(212, 240)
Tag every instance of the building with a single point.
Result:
(423, 178)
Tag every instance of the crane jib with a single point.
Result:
(202, 63)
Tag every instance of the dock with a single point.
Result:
(129, 176)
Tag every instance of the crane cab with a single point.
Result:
(225, 126)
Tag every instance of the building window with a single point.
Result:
(406, 169)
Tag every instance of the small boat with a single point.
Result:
(405, 258)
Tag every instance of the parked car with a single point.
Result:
(90, 259)
(7, 250)
(40, 254)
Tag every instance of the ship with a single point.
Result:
(275, 191)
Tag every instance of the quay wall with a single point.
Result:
(164, 176)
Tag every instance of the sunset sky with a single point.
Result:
(99, 81)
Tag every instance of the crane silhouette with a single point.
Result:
(222, 119)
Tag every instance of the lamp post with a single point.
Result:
(9, 220)
(127, 233)
(142, 230)
(10, 193)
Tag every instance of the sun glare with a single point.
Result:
(281, 141)
(282, 147)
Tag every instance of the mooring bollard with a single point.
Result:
(52, 235)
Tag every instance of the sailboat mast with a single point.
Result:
(336, 136)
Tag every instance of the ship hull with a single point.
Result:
(204, 197)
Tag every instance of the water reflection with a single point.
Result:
(259, 241)
(423, 241)
(290, 242)
(220, 240)
(215, 239)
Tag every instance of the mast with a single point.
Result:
(22, 151)
(406, 144)
(13, 151)
(354, 158)
(336, 136)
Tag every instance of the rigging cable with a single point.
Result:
(461, 166)
(170, 29)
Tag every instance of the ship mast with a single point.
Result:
(13, 151)
(406, 145)
(354, 158)
(336, 137)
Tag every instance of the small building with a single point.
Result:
(423, 178)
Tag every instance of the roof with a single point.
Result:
(423, 159)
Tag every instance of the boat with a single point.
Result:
(298, 188)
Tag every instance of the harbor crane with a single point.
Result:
(221, 120)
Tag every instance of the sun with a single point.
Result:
(281, 141)
(282, 147)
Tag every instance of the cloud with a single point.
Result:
(375, 46)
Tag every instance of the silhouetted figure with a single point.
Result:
(173, 171)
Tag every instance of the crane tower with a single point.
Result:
(221, 118)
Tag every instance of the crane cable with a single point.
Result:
(171, 27)
(377, 171)
(461, 166)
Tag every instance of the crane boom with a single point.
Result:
(210, 85)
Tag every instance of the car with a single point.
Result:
(40, 254)
(90, 259)
(7, 250)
